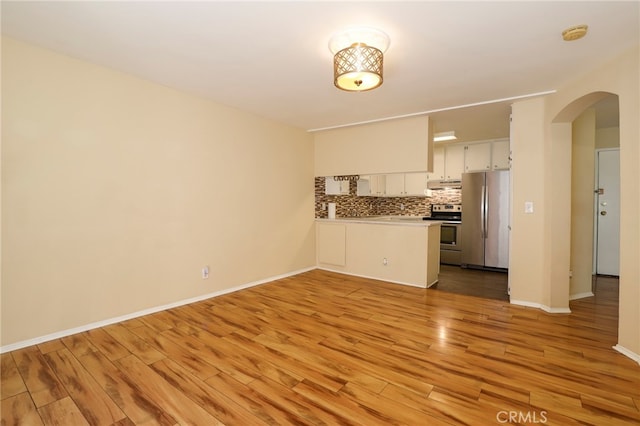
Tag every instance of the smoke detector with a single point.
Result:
(574, 33)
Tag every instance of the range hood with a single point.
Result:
(445, 184)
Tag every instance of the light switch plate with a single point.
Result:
(528, 206)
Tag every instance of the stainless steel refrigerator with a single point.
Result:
(485, 219)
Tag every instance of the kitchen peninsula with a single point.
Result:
(399, 249)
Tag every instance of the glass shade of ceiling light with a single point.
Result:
(444, 136)
(575, 33)
(358, 58)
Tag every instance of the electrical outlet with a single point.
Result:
(205, 272)
(385, 262)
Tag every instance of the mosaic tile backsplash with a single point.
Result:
(352, 205)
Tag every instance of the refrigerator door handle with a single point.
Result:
(485, 225)
(483, 211)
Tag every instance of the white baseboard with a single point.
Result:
(541, 306)
(555, 310)
(525, 303)
(103, 323)
(626, 352)
(580, 295)
(375, 278)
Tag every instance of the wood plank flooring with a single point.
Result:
(321, 348)
(473, 282)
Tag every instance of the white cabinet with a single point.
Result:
(331, 244)
(335, 187)
(477, 157)
(415, 184)
(394, 185)
(454, 161)
(448, 162)
(406, 184)
(500, 153)
(407, 255)
(378, 185)
(438, 164)
(372, 186)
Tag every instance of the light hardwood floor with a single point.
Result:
(323, 348)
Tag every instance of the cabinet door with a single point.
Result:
(454, 161)
(378, 185)
(500, 153)
(477, 157)
(335, 187)
(415, 184)
(364, 186)
(394, 185)
(331, 244)
(371, 186)
(438, 164)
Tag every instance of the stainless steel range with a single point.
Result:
(450, 232)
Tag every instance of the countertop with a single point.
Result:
(385, 220)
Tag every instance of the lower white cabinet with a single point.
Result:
(331, 244)
(401, 254)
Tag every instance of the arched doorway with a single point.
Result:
(593, 122)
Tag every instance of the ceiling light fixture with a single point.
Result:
(444, 136)
(574, 33)
(358, 57)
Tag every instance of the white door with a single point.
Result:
(608, 212)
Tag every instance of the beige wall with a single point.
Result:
(619, 77)
(526, 248)
(117, 191)
(393, 146)
(582, 199)
(608, 137)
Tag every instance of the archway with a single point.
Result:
(578, 126)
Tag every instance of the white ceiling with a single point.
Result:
(272, 59)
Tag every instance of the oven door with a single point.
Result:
(450, 248)
(450, 236)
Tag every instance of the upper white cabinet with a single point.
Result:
(453, 161)
(415, 184)
(393, 185)
(438, 163)
(450, 161)
(477, 157)
(406, 184)
(335, 187)
(500, 153)
(372, 185)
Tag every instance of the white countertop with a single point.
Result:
(385, 220)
